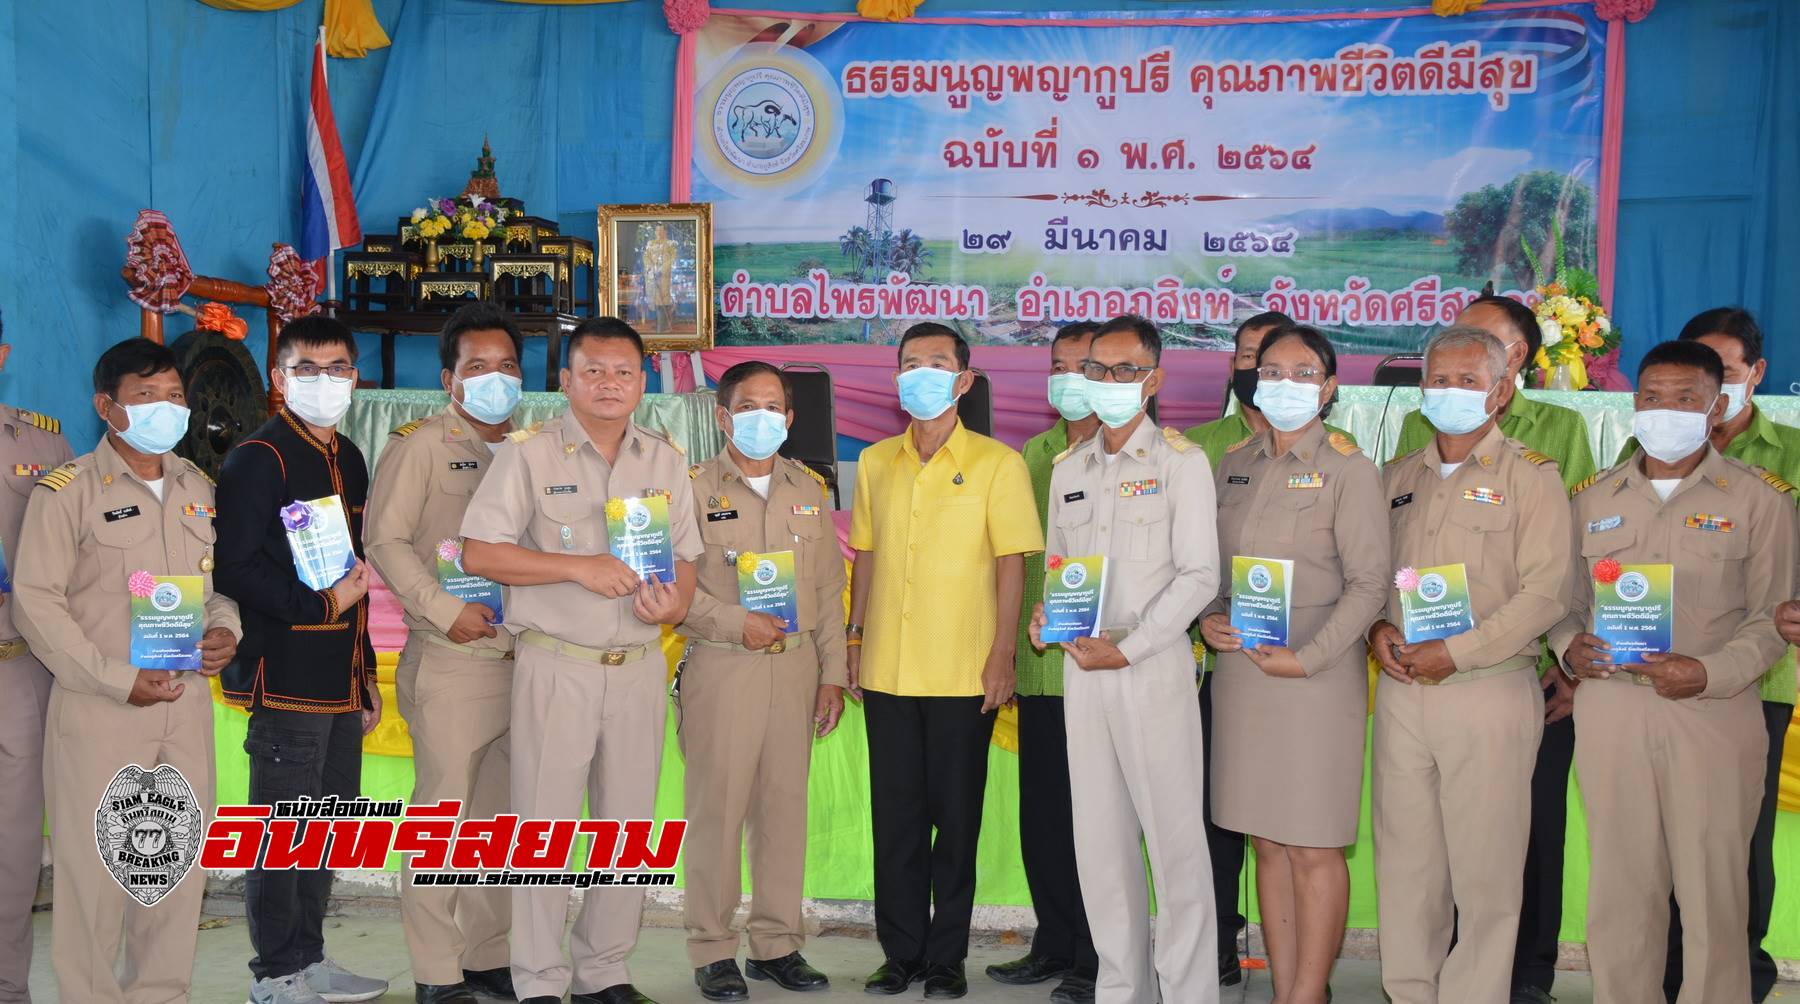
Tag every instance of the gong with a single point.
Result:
(224, 391)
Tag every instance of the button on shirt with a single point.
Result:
(1512, 541)
(548, 491)
(935, 531)
(1150, 510)
(1731, 538)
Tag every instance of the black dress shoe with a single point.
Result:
(618, 993)
(1230, 973)
(443, 993)
(491, 982)
(1033, 968)
(790, 972)
(721, 981)
(1074, 989)
(945, 981)
(894, 976)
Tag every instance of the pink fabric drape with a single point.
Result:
(867, 408)
(1612, 138)
(681, 143)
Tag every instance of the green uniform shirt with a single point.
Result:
(1215, 437)
(1775, 448)
(1557, 432)
(1040, 674)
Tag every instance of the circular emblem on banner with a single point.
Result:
(1260, 579)
(166, 597)
(765, 572)
(1632, 587)
(1433, 587)
(767, 122)
(1074, 575)
(637, 517)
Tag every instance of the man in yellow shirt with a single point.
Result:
(942, 521)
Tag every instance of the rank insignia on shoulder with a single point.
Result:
(694, 471)
(1178, 442)
(201, 511)
(1343, 444)
(521, 435)
(44, 422)
(1588, 482)
(807, 510)
(1133, 489)
(59, 479)
(408, 429)
(30, 470)
(1536, 457)
(1240, 444)
(196, 469)
(1486, 496)
(1705, 521)
(815, 475)
(1309, 479)
(1774, 481)
(1603, 525)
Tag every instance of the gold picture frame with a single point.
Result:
(653, 266)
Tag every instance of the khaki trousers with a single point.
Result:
(579, 727)
(1452, 800)
(87, 740)
(457, 707)
(1137, 770)
(746, 734)
(1671, 790)
(27, 687)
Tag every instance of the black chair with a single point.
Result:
(813, 438)
(1400, 369)
(976, 408)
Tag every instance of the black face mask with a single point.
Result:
(1243, 387)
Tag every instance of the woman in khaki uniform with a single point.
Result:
(1288, 749)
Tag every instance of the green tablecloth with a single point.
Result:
(686, 418)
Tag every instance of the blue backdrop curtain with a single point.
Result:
(108, 106)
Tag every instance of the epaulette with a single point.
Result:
(1177, 441)
(815, 475)
(1406, 456)
(521, 435)
(1240, 444)
(665, 436)
(1535, 457)
(1590, 481)
(1343, 444)
(694, 471)
(44, 422)
(1774, 481)
(1064, 455)
(196, 469)
(59, 479)
(407, 429)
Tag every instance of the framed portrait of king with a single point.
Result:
(655, 272)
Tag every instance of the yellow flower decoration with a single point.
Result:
(747, 562)
(887, 10)
(615, 509)
(1451, 8)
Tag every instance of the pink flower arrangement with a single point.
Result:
(686, 16)
(1629, 10)
(449, 549)
(141, 584)
(1406, 580)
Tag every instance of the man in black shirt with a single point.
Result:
(306, 668)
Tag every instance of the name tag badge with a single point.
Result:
(1603, 525)
(561, 489)
(1075, 496)
(1238, 479)
(1310, 479)
(1133, 489)
(202, 511)
(1486, 496)
(721, 516)
(465, 465)
(114, 515)
(1704, 521)
(1400, 501)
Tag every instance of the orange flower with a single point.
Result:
(218, 317)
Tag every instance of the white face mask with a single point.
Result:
(1671, 435)
(320, 401)
(1737, 395)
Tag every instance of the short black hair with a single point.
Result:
(139, 357)
(604, 329)
(475, 317)
(1523, 321)
(1688, 352)
(932, 329)
(1146, 333)
(1078, 329)
(313, 331)
(1266, 319)
(1732, 322)
(731, 378)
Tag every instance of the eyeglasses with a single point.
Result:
(311, 371)
(1121, 372)
(1305, 374)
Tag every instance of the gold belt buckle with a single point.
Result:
(13, 648)
(1430, 683)
(613, 657)
(779, 647)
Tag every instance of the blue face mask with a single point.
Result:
(1455, 410)
(926, 393)
(1287, 404)
(1068, 395)
(155, 427)
(758, 434)
(492, 397)
(1115, 403)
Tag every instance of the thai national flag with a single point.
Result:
(327, 208)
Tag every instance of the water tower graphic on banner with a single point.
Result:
(875, 249)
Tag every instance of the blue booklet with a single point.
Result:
(766, 586)
(318, 534)
(460, 584)
(168, 616)
(1074, 591)
(1260, 604)
(637, 533)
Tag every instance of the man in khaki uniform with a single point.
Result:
(31, 446)
(454, 680)
(1137, 756)
(1458, 719)
(753, 692)
(127, 507)
(1672, 768)
(589, 697)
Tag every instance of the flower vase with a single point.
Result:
(1561, 378)
(431, 254)
(479, 247)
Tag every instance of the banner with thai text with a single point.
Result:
(1363, 172)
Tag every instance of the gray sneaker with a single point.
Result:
(337, 985)
(290, 989)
